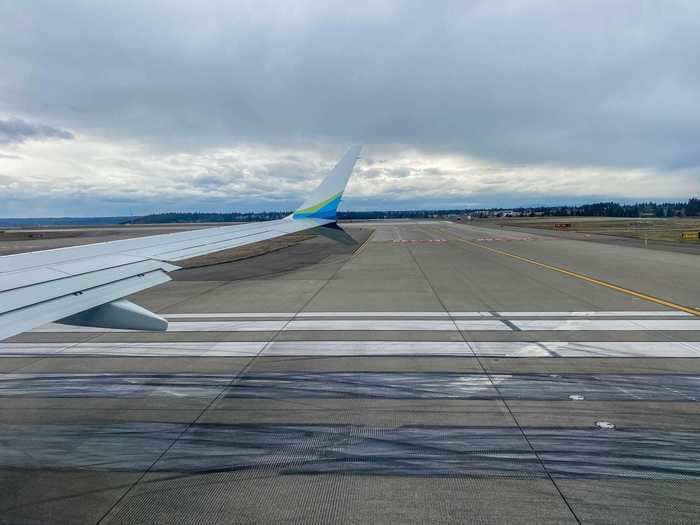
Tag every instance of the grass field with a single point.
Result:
(23, 235)
(669, 230)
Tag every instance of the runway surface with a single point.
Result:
(435, 372)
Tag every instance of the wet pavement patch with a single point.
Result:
(354, 449)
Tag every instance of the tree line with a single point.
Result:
(691, 208)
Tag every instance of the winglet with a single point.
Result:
(324, 200)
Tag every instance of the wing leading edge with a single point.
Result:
(85, 285)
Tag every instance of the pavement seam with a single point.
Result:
(548, 350)
(510, 325)
(219, 396)
(502, 399)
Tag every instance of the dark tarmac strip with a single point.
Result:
(368, 385)
(421, 380)
(353, 449)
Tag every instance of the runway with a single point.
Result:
(434, 372)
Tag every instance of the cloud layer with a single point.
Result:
(16, 131)
(240, 102)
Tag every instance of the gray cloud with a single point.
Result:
(15, 131)
(115, 180)
(607, 83)
(594, 85)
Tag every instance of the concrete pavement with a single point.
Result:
(419, 376)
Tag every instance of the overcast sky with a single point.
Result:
(111, 108)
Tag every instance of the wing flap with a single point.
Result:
(23, 319)
(92, 264)
(37, 276)
(26, 296)
(11, 281)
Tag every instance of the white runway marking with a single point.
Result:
(509, 349)
(471, 314)
(368, 348)
(318, 325)
(410, 321)
(628, 313)
(407, 324)
(394, 314)
(439, 314)
(236, 315)
(481, 325)
(609, 324)
(356, 348)
(208, 349)
(232, 315)
(586, 349)
(201, 326)
(236, 349)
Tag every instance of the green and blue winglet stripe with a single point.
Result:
(323, 210)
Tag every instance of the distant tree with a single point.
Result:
(596, 209)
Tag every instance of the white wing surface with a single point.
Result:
(85, 285)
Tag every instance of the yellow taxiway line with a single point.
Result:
(588, 278)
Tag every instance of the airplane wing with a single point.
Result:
(85, 285)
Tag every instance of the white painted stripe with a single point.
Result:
(31, 349)
(320, 325)
(227, 326)
(625, 349)
(289, 315)
(509, 349)
(241, 349)
(228, 349)
(441, 314)
(229, 315)
(202, 326)
(586, 349)
(481, 325)
(373, 314)
(392, 314)
(628, 313)
(371, 325)
(609, 324)
(368, 348)
(209, 349)
(356, 348)
(403, 325)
